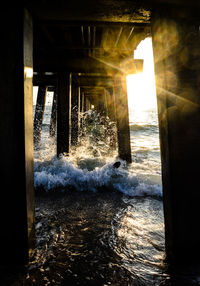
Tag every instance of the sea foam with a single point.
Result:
(62, 174)
(89, 167)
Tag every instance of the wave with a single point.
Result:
(63, 175)
(151, 127)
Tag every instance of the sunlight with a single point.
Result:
(141, 86)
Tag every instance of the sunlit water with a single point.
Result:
(95, 224)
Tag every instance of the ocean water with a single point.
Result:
(89, 166)
(96, 224)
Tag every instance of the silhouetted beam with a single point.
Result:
(75, 114)
(86, 103)
(122, 116)
(82, 35)
(102, 24)
(16, 129)
(89, 36)
(64, 113)
(59, 62)
(110, 98)
(179, 122)
(92, 90)
(51, 88)
(94, 37)
(52, 127)
(39, 113)
(94, 81)
(64, 48)
(42, 79)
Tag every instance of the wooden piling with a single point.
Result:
(101, 103)
(39, 113)
(81, 107)
(16, 129)
(64, 113)
(176, 58)
(110, 99)
(86, 104)
(52, 127)
(122, 118)
(75, 114)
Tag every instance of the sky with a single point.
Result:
(141, 87)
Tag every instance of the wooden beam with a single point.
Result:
(52, 127)
(16, 129)
(64, 114)
(75, 114)
(122, 116)
(39, 113)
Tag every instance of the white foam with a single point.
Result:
(63, 174)
(90, 164)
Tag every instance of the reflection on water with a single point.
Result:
(97, 239)
(95, 224)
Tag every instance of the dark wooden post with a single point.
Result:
(39, 113)
(82, 101)
(122, 118)
(16, 129)
(86, 103)
(110, 98)
(176, 45)
(64, 113)
(101, 103)
(52, 127)
(75, 114)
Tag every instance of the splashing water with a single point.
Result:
(90, 165)
(97, 222)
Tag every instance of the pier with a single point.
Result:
(83, 51)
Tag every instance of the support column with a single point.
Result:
(122, 118)
(110, 103)
(101, 104)
(39, 113)
(81, 106)
(86, 104)
(16, 129)
(176, 45)
(52, 128)
(82, 101)
(64, 114)
(75, 116)
(110, 98)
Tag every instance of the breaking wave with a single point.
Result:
(90, 165)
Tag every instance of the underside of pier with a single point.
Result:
(83, 50)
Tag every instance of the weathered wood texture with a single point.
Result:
(176, 44)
